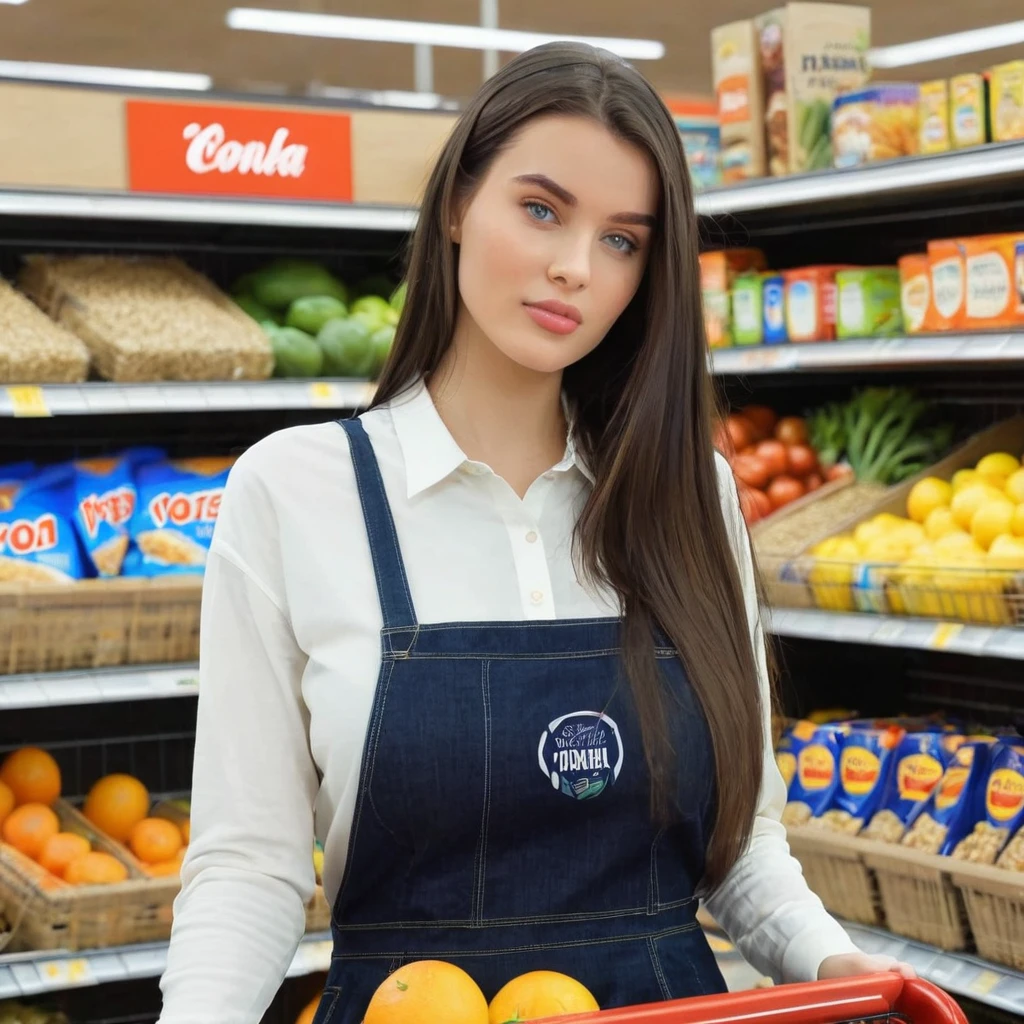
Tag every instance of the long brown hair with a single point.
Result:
(641, 405)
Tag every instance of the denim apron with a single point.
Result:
(503, 816)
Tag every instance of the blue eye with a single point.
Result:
(620, 243)
(539, 211)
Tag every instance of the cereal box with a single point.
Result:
(915, 291)
(878, 122)
(933, 117)
(739, 93)
(968, 114)
(994, 275)
(718, 270)
(811, 303)
(1006, 101)
(948, 274)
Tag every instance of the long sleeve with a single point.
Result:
(249, 869)
(764, 904)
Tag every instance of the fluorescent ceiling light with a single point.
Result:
(428, 33)
(14, 2)
(921, 51)
(89, 75)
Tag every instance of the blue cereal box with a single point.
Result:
(816, 777)
(773, 294)
(1003, 807)
(865, 764)
(178, 504)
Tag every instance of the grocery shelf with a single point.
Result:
(174, 209)
(102, 398)
(931, 350)
(895, 179)
(897, 631)
(98, 686)
(29, 974)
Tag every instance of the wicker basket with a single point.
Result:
(318, 912)
(918, 895)
(98, 623)
(835, 869)
(45, 913)
(994, 898)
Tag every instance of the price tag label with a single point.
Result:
(889, 632)
(324, 394)
(984, 982)
(170, 683)
(769, 357)
(28, 401)
(58, 974)
(944, 634)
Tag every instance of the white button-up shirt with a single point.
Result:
(290, 654)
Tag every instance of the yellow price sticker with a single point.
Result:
(28, 400)
(985, 982)
(945, 633)
(322, 392)
(67, 973)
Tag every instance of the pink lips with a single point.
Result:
(556, 317)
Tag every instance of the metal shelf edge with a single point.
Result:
(98, 686)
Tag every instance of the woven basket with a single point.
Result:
(918, 895)
(994, 898)
(46, 913)
(318, 912)
(835, 869)
(98, 623)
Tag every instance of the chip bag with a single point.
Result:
(921, 761)
(816, 777)
(178, 504)
(37, 538)
(13, 478)
(1004, 807)
(792, 742)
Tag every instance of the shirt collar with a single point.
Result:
(431, 453)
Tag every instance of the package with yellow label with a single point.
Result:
(968, 113)
(1006, 101)
(817, 774)
(865, 763)
(793, 740)
(878, 122)
(915, 290)
(736, 70)
(933, 117)
(921, 761)
(1004, 807)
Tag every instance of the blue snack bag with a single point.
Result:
(816, 777)
(921, 760)
(865, 764)
(105, 499)
(178, 504)
(789, 747)
(1003, 807)
(37, 538)
(13, 478)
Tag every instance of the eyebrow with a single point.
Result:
(563, 194)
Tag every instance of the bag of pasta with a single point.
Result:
(921, 760)
(816, 776)
(1004, 807)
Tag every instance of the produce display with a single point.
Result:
(34, 349)
(147, 318)
(317, 325)
(12, 1012)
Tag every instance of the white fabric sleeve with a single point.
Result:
(764, 903)
(249, 869)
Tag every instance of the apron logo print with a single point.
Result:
(581, 754)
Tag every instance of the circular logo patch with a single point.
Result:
(581, 754)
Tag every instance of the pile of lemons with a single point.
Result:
(958, 553)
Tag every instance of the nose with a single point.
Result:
(570, 266)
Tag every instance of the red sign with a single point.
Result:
(202, 149)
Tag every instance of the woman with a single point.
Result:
(499, 637)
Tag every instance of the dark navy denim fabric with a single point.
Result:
(503, 818)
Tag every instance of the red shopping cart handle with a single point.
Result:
(819, 1002)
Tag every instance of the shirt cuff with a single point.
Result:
(807, 951)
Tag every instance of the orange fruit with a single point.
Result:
(164, 868)
(32, 775)
(116, 804)
(95, 869)
(154, 840)
(539, 995)
(307, 1015)
(186, 831)
(60, 850)
(427, 992)
(28, 827)
(6, 801)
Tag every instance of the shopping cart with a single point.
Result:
(875, 999)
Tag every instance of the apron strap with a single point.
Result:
(389, 569)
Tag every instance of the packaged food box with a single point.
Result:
(878, 122)
(868, 302)
(915, 291)
(1006, 101)
(811, 303)
(994, 269)
(1004, 807)
(718, 270)
(948, 285)
(773, 293)
(748, 310)
(933, 117)
(810, 54)
(968, 112)
(697, 121)
(739, 91)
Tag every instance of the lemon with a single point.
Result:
(887, 520)
(953, 547)
(868, 531)
(908, 532)
(963, 478)
(992, 519)
(970, 499)
(1014, 487)
(1017, 523)
(940, 521)
(888, 550)
(926, 495)
(1007, 552)
(998, 464)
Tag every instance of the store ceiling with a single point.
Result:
(189, 35)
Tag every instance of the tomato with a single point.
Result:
(791, 430)
(763, 418)
(750, 470)
(802, 460)
(784, 489)
(741, 431)
(751, 449)
(837, 472)
(775, 456)
(762, 502)
(812, 482)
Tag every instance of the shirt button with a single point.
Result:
(537, 596)
(531, 537)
